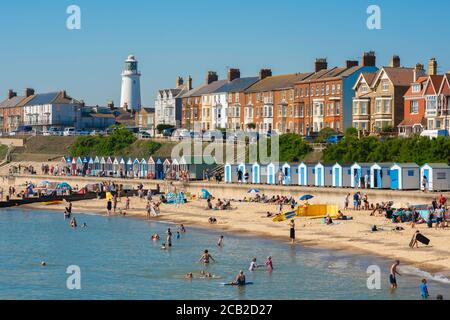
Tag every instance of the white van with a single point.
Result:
(69, 132)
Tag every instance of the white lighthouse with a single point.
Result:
(131, 86)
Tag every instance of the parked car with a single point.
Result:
(334, 139)
(79, 132)
(97, 133)
(53, 131)
(144, 135)
(69, 132)
(168, 132)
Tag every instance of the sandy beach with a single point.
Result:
(250, 219)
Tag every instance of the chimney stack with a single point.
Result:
(189, 83)
(11, 94)
(351, 63)
(369, 59)
(233, 74)
(180, 82)
(320, 64)
(265, 73)
(432, 67)
(29, 92)
(419, 71)
(395, 62)
(211, 77)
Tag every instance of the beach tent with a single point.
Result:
(227, 172)
(437, 176)
(302, 174)
(287, 171)
(143, 169)
(359, 172)
(151, 168)
(136, 167)
(379, 176)
(337, 176)
(405, 176)
(256, 173)
(272, 170)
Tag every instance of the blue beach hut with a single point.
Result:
(379, 176)
(227, 172)
(405, 176)
(256, 173)
(303, 174)
(143, 169)
(287, 171)
(271, 173)
(337, 176)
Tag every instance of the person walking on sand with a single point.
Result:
(292, 231)
(109, 207)
(127, 203)
(347, 200)
(393, 275)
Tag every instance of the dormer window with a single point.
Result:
(416, 88)
(385, 85)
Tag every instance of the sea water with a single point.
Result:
(117, 260)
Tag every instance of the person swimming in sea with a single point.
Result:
(240, 280)
(163, 247)
(182, 229)
(269, 264)
(220, 243)
(206, 257)
(190, 276)
(156, 237)
(73, 223)
(178, 235)
(84, 226)
(253, 265)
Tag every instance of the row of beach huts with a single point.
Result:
(395, 176)
(123, 167)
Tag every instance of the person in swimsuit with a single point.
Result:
(292, 231)
(73, 223)
(169, 237)
(253, 265)
(269, 264)
(109, 207)
(189, 276)
(240, 279)
(205, 258)
(182, 229)
(220, 242)
(424, 289)
(393, 275)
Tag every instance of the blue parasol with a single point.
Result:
(306, 197)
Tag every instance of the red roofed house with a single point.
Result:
(414, 112)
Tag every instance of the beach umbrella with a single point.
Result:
(253, 191)
(63, 186)
(306, 197)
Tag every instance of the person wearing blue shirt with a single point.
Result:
(424, 289)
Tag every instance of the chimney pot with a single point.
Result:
(432, 67)
(233, 74)
(351, 63)
(320, 64)
(211, 77)
(11, 94)
(29, 92)
(395, 62)
(190, 83)
(369, 59)
(179, 82)
(265, 73)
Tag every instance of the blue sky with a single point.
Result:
(180, 37)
